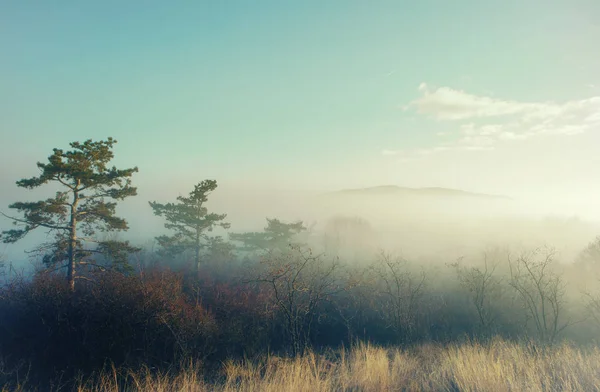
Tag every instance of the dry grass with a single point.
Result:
(497, 366)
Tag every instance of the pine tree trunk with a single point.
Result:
(72, 247)
(72, 242)
(198, 252)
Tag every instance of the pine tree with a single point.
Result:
(79, 210)
(190, 221)
(277, 235)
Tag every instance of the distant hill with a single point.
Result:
(393, 190)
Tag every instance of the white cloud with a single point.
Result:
(446, 103)
(486, 121)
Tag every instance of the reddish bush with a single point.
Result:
(125, 320)
(240, 308)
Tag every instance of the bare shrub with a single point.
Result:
(398, 291)
(484, 288)
(299, 282)
(541, 290)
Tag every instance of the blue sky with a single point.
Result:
(309, 95)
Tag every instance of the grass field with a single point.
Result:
(496, 366)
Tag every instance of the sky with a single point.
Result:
(498, 97)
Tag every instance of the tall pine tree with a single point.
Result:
(79, 210)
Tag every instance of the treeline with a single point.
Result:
(101, 301)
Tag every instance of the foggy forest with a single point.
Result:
(203, 305)
(299, 196)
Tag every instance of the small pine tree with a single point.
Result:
(276, 235)
(190, 221)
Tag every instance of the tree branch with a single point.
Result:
(46, 225)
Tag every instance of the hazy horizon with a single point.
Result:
(279, 101)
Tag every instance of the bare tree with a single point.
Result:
(300, 282)
(399, 291)
(541, 290)
(483, 287)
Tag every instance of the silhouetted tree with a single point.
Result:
(190, 221)
(80, 207)
(276, 235)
